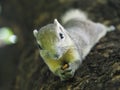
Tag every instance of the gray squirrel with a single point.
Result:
(64, 47)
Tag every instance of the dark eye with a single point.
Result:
(39, 47)
(61, 35)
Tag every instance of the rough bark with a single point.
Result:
(101, 68)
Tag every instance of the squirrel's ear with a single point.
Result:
(56, 22)
(35, 32)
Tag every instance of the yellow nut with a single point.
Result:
(65, 66)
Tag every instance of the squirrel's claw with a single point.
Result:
(66, 73)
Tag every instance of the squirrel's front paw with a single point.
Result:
(65, 73)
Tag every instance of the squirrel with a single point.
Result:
(64, 47)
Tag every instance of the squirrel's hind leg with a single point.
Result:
(110, 28)
(102, 30)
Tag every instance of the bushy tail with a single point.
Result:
(74, 13)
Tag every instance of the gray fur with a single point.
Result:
(85, 34)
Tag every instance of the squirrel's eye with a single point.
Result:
(39, 46)
(61, 35)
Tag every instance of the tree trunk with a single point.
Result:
(101, 68)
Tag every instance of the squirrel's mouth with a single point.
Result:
(66, 65)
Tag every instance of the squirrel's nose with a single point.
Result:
(56, 56)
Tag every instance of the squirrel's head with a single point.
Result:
(53, 40)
